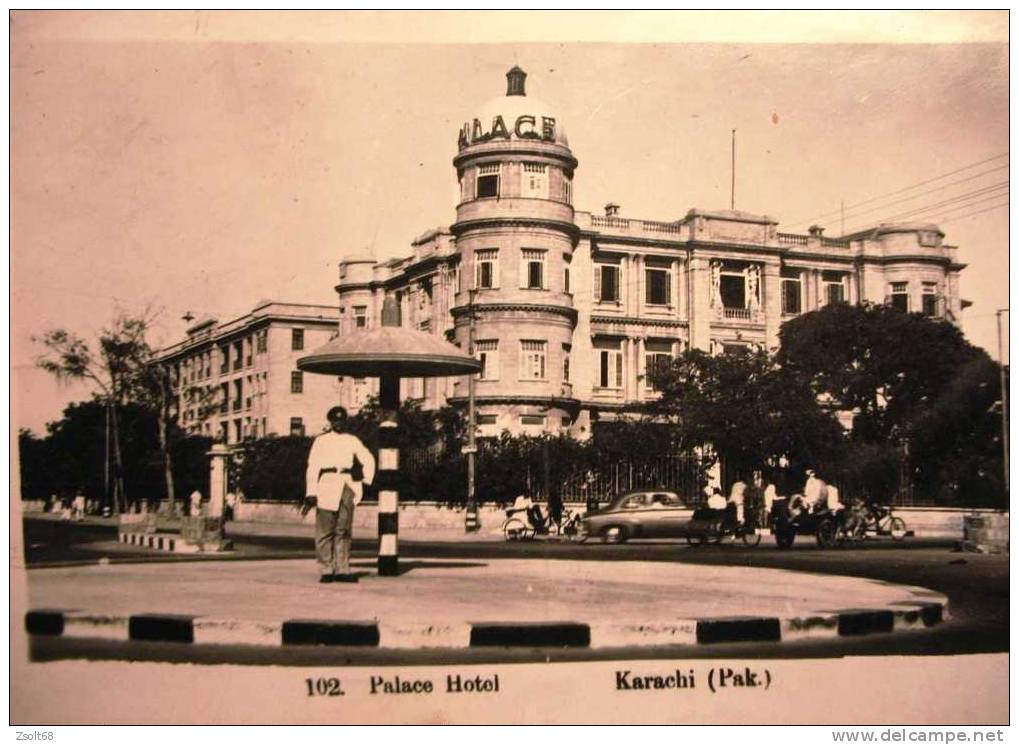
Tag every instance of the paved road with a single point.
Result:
(976, 585)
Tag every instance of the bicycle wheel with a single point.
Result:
(751, 537)
(514, 529)
(897, 528)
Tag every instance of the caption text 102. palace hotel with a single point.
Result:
(569, 310)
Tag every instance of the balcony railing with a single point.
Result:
(609, 222)
(745, 315)
(792, 239)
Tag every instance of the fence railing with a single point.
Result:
(678, 473)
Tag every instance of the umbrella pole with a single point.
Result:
(387, 479)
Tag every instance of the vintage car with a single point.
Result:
(649, 513)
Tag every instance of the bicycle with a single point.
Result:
(878, 520)
(520, 525)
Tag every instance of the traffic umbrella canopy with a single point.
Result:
(389, 351)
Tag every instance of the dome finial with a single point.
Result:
(515, 82)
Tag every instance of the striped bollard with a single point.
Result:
(389, 499)
(471, 523)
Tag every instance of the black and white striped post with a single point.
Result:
(389, 352)
(387, 478)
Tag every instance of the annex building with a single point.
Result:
(569, 310)
(239, 379)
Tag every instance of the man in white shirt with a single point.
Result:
(334, 486)
(814, 492)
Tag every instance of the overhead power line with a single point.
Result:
(962, 200)
(926, 193)
(974, 214)
(905, 188)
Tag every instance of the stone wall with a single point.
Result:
(926, 522)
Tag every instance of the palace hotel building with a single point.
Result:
(569, 310)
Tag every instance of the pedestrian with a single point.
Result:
(814, 492)
(736, 496)
(833, 502)
(196, 503)
(339, 465)
(770, 495)
(78, 506)
(229, 503)
(715, 499)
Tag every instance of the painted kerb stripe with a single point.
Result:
(859, 623)
(44, 622)
(330, 633)
(530, 635)
(161, 628)
(739, 630)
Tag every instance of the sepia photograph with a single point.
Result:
(495, 367)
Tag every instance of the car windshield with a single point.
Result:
(666, 499)
(633, 502)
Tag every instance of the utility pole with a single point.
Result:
(732, 189)
(471, 519)
(1004, 398)
(106, 461)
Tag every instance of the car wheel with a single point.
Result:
(826, 534)
(897, 528)
(614, 534)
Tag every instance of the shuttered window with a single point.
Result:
(532, 360)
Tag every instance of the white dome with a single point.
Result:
(514, 116)
(512, 108)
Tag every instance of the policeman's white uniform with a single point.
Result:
(330, 481)
(329, 463)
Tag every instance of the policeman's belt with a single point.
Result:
(323, 471)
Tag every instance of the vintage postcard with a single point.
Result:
(510, 368)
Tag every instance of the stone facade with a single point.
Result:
(239, 379)
(570, 310)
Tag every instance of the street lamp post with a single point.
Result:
(1004, 397)
(471, 518)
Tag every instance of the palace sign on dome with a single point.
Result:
(524, 128)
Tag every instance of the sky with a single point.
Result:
(173, 163)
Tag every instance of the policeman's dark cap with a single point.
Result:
(337, 414)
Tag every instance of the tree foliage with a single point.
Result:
(747, 408)
(71, 457)
(918, 392)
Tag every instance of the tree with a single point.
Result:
(38, 477)
(873, 360)
(112, 370)
(123, 371)
(749, 410)
(916, 389)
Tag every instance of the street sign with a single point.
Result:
(467, 450)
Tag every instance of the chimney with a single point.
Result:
(815, 230)
(515, 82)
(611, 209)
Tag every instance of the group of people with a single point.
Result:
(72, 509)
(760, 495)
